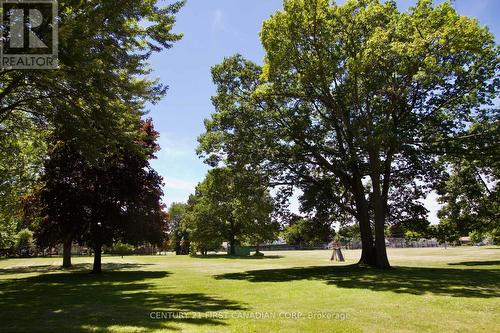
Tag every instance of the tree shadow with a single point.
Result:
(476, 263)
(74, 268)
(82, 302)
(481, 283)
(227, 256)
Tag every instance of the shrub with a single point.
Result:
(122, 249)
(24, 241)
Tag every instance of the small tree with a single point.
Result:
(255, 207)
(232, 205)
(261, 230)
(348, 233)
(205, 229)
(476, 237)
(24, 242)
(122, 249)
(118, 198)
(7, 234)
(307, 232)
(445, 232)
(176, 229)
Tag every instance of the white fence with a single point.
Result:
(397, 243)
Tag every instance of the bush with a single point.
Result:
(24, 241)
(24, 238)
(476, 237)
(494, 236)
(122, 249)
(193, 249)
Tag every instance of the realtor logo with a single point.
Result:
(29, 34)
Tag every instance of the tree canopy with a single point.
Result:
(102, 84)
(307, 233)
(233, 206)
(117, 199)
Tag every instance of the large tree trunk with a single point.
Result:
(232, 246)
(67, 253)
(367, 247)
(380, 249)
(97, 259)
(379, 208)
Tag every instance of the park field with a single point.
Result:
(428, 290)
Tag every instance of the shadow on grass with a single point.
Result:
(481, 283)
(226, 256)
(82, 302)
(476, 263)
(74, 268)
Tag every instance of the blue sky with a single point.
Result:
(214, 29)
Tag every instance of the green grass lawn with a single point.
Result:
(429, 290)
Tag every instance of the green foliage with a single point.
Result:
(119, 199)
(205, 228)
(176, 230)
(349, 233)
(476, 237)
(7, 233)
(175, 213)
(412, 235)
(470, 190)
(103, 83)
(494, 236)
(306, 232)
(24, 239)
(122, 249)
(22, 151)
(444, 232)
(179, 241)
(231, 206)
